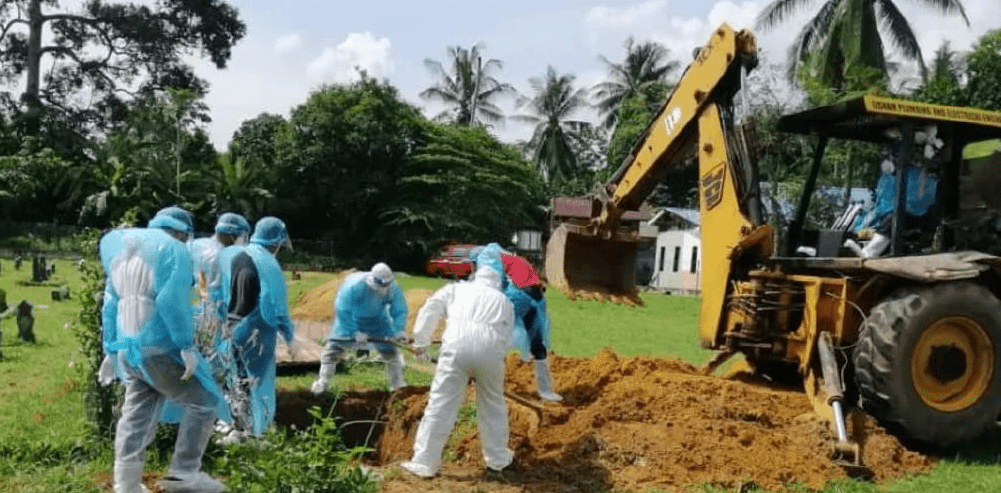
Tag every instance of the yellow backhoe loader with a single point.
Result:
(910, 333)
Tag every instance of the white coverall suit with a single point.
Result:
(477, 336)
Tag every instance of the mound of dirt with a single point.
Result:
(625, 424)
(595, 293)
(318, 304)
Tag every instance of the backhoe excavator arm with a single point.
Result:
(713, 76)
(599, 255)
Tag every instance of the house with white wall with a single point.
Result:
(677, 250)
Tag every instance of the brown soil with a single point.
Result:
(318, 304)
(594, 293)
(626, 424)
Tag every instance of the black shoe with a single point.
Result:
(505, 474)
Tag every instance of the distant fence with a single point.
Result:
(44, 231)
(26, 238)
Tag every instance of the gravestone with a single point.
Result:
(25, 322)
(61, 293)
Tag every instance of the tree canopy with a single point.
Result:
(111, 51)
(846, 34)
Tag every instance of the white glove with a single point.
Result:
(106, 374)
(293, 349)
(422, 353)
(361, 337)
(319, 386)
(190, 358)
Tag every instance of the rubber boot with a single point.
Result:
(321, 383)
(394, 366)
(876, 246)
(128, 478)
(544, 381)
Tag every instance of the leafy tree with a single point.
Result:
(340, 159)
(147, 162)
(461, 183)
(984, 73)
(469, 89)
(105, 50)
(32, 185)
(645, 66)
(942, 85)
(241, 187)
(551, 109)
(634, 115)
(845, 34)
(254, 141)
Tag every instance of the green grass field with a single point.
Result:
(42, 428)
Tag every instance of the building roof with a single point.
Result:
(691, 216)
(581, 207)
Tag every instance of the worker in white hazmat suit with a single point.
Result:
(369, 305)
(477, 335)
(149, 344)
(257, 312)
(525, 288)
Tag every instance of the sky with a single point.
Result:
(296, 46)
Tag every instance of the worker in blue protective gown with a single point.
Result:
(532, 327)
(149, 345)
(230, 229)
(369, 305)
(480, 320)
(257, 312)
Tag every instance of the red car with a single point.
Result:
(451, 261)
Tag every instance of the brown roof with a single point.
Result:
(581, 207)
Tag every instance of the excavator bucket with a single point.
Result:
(586, 266)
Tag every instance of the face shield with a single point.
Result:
(378, 284)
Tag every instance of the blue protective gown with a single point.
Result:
(920, 195)
(490, 256)
(205, 254)
(357, 308)
(256, 335)
(170, 329)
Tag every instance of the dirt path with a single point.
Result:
(626, 424)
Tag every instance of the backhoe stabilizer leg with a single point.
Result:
(716, 361)
(845, 452)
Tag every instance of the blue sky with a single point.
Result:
(293, 47)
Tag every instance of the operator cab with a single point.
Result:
(935, 192)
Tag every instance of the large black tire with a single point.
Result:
(927, 363)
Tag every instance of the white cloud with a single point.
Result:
(359, 51)
(610, 17)
(737, 15)
(288, 44)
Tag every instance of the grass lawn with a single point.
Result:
(41, 411)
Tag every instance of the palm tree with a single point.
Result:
(947, 64)
(643, 67)
(845, 34)
(469, 89)
(551, 110)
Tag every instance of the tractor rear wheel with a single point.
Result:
(927, 362)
